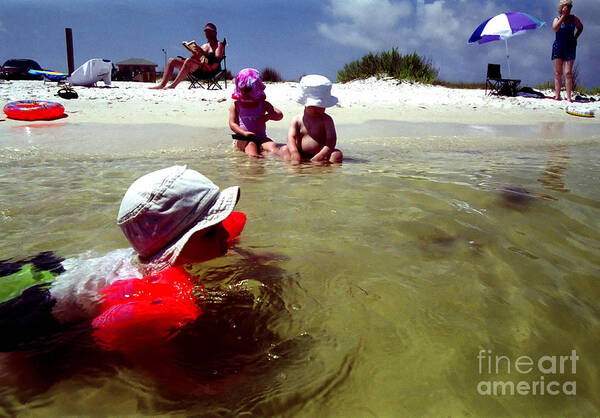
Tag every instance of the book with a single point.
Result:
(191, 46)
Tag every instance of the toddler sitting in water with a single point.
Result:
(312, 135)
(249, 113)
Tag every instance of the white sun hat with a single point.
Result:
(162, 210)
(316, 91)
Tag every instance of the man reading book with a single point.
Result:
(206, 58)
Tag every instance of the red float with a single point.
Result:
(34, 110)
(234, 224)
(137, 313)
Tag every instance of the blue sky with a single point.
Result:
(295, 37)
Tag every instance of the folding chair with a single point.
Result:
(498, 85)
(212, 80)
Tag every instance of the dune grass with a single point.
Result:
(589, 92)
(270, 74)
(457, 85)
(411, 67)
(549, 85)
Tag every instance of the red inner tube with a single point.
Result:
(33, 110)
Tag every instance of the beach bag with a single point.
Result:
(91, 72)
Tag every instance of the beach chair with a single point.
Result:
(498, 85)
(210, 81)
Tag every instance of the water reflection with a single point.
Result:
(552, 130)
(552, 178)
(248, 168)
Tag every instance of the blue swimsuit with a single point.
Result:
(565, 44)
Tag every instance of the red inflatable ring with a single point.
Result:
(33, 110)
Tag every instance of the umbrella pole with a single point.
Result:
(507, 58)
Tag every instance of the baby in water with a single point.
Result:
(312, 136)
(249, 113)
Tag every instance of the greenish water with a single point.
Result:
(366, 289)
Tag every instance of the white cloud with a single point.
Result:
(346, 34)
(363, 23)
(439, 24)
(436, 22)
(376, 24)
(369, 13)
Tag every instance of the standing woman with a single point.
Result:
(568, 28)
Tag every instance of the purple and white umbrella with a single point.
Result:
(504, 26)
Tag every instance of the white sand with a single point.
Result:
(359, 101)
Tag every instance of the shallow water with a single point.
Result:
(366, 289)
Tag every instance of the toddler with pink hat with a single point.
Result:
(249, 113)
(312, 135)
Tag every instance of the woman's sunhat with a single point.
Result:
(316, 91)
(249, 81)
(162, 210)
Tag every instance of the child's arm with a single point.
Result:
(293, 134)
(271, 113)
(234, 122)
(330, 140)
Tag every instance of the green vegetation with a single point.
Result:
(456, 85)
(270, 74)
(576, 87)
(413, 67)
(410, 67)
(590, 92)
(549, 85)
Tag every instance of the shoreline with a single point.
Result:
(62, 138)
(359, 102)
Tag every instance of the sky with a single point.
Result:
(297, 37)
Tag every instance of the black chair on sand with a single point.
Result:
(498, 85)
(210, 81)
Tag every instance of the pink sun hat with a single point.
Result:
(248, 81)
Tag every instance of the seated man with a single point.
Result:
(206, 57)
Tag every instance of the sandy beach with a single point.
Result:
(359, 101)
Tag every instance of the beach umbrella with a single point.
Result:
(504, 26)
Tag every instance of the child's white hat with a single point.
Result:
(162, 210)
(316, 91)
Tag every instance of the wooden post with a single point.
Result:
(70, 61)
